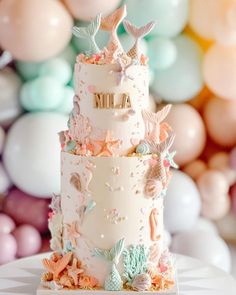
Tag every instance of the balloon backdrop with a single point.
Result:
(34, 30)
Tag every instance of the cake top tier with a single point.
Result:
(113, 52)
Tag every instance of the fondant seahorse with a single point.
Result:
(110, 23)
(138, 34)
(153, 223)
(152, 123)
(89, 33)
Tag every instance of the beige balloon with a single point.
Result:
(190, 133)
(87, 9)
(34, 30)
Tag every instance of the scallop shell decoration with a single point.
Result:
(142, 282)
(75, 180)
(143, 149)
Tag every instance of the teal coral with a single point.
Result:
(135, 262)
(113, 281)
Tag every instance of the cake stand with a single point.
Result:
(22, 277)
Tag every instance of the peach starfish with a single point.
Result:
(74, 271)
(107, 145)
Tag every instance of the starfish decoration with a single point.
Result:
(122, 72)
(72, 233)
(56, 203)
(170, 159)
(74, 271)
(107, 145)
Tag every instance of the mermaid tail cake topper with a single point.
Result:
(89, 33)
(110, 23)
(138, 34)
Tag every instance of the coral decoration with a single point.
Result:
(87, 282)
(72, 233)
(153, 223)
(56, 204)
(79, 128)
(154, 253)
(152, 123)
(74, 271)
(138, 34)
(89, 33)
(110, 23)
(107, 145)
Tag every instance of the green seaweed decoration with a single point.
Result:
(113, 281)
(135, 262)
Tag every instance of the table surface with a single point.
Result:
(194, 277)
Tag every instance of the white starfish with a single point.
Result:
(122, 72)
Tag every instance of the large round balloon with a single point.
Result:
(10, 85)
(171, 16)
(85, 10)
(219, 68)
(176, 84)
(34, 30)
(32, 153)
(220, 118)
(190, 133)
(203, 245)
(182, 203)
(17, 203)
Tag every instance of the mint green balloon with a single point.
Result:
(66, 104)
(162, 53)
(171, 16)
(69, 55)
(28, 70)
(57, 68)
(41, 94)
(184, 79)
(127, 42)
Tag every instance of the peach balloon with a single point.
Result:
(220, 118)
(190, 133)
(87, 9)
(34, 30)
(195, 169)
(217, 209)
(219, 69)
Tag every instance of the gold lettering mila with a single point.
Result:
(107, 101)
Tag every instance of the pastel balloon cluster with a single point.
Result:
(192, 60)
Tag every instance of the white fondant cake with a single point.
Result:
(107, 224)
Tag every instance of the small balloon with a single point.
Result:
(182, 203)
(183, 86)
(205, 225)
(36, 31)
(7, 224)
(227, 226)
(66, 104)
(8, 248)
(222, 131)
(195, 169)
(28, 240)
(207, 247)
(26, 209)
(190, 133)
(32, 143)
(10, 85)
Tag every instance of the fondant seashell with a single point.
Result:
(141, 282)
(76, 181)
(70, 145)
(66, 281)
(143, 149)
(153, 188)
(47, 277)
(52, 285)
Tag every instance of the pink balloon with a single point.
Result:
(34, 30)
(220, 118)
(85, 10)
(7, 224)
(233, 195)
(8, 248)
(232, 159)
(195, 169)
(219, 68)
(28, 240)
(190, 133)
(24, 208)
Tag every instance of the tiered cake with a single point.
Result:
(107, 224)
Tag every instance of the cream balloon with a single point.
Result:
(219, 69)
(220, 118)
(190, 133)
(85, 10)
(34, 30)
(195, 168)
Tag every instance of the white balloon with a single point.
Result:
(167, 239)
(227, 227)
(5, 182)
(203, 245)
(32, 153)
(2, 139)
(181, 204)
(206, 225)
(10, 85)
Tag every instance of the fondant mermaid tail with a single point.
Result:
(89, 33)
(113, 281)
(110, 23)
(138, 34)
